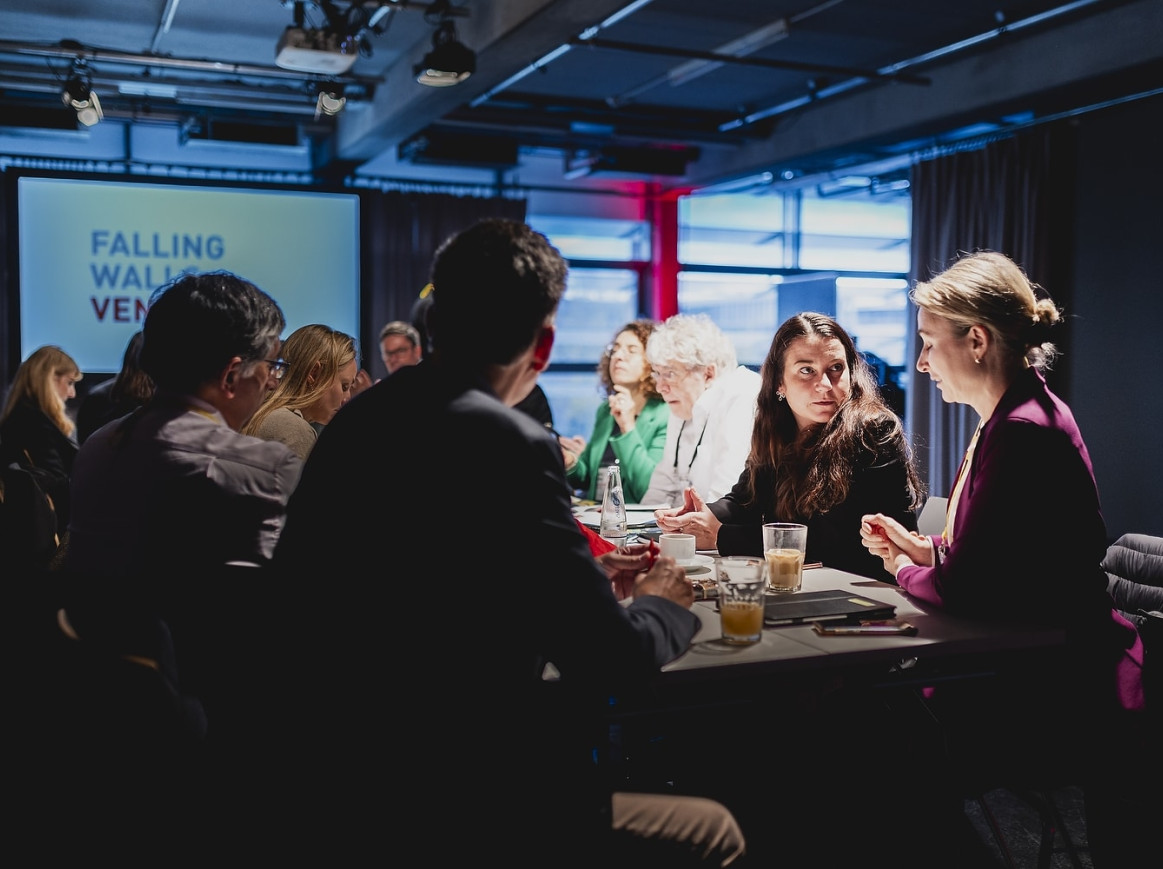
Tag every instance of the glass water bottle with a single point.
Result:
(613, 522)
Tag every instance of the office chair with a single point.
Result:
(931, 519)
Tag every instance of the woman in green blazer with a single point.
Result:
(629, 427)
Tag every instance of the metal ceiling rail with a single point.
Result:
(73, 51)
(718, 57)
(894, 68)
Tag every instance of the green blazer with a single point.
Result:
(637, 452)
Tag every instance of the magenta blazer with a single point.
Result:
(1029, 538)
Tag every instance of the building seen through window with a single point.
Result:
(748, 260)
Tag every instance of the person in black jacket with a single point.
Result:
(825, 450)
(36, 431)
(482, 710)
(114, 398)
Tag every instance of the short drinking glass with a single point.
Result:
(741, 590)
(783, 546)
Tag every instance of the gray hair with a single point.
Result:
(690, 341)
(399, 327)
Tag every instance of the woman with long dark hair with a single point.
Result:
(825, 450)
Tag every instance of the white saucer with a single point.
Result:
(698, 563)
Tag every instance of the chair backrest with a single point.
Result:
(931, 519)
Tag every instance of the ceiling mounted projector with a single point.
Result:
(323, 52)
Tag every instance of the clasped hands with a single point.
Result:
(896, 546)
(636, 569)
(693, 517)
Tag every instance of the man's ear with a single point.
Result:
(543, 347)
(228, 379)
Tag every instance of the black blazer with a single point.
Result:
(437, 569)
(880, 485)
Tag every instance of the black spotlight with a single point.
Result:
(79, 96)
(449, 62)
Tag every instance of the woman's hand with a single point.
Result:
(571, 448)
(893, 543)
(693, 517)
(622, 408)
(624, 564)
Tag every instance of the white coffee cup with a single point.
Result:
(680, 547)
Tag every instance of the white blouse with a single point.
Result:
(708, 450)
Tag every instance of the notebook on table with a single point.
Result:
(821, 606)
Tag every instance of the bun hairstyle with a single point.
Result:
(989, 289)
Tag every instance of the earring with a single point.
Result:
(779, 396)
(977, 359)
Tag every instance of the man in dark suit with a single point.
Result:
(468, 673)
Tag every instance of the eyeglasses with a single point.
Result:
(399, 351)
(669, 375)
(278, 367)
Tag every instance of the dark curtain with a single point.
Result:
(401, 234)
(1012, 196)
(9, 328)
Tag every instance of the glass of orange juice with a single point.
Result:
(742, 585)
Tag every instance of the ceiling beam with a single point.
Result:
(516, 33)
(1121, 44)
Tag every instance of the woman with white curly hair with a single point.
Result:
(712, 408)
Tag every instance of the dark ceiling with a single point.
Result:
(680, 92)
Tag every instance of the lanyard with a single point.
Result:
(962, 474)
(694, 455)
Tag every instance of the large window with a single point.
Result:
(608, 263)
(748, 260)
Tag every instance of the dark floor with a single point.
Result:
(1022, 830)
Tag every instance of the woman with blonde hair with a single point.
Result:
(36, 431)
(1024, 542)
(320, 370)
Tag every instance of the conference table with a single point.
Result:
(944, 647)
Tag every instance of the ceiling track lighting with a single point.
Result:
(449, 62)
(80, 96)
(330, 101)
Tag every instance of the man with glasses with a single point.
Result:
(400, 345)
(175, 483)
(160, 599)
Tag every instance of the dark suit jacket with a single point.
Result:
(431, 605)
(1029, 539)
(879, 485)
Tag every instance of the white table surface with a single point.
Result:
(790, 649)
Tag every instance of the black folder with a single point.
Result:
(821, 606)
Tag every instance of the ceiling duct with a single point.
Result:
(637, 161)
(456, 149)
(39, 118)
(214, 130)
